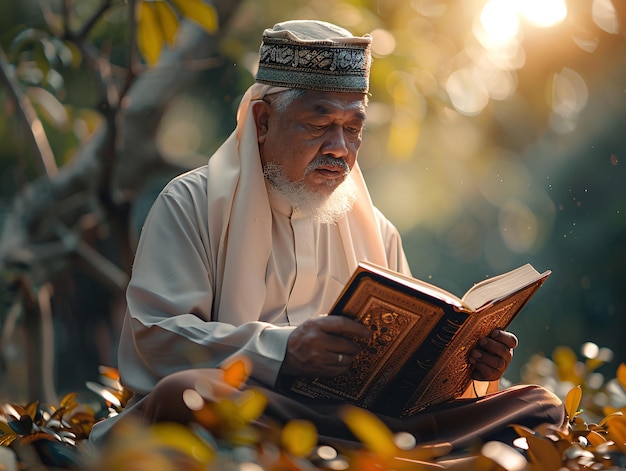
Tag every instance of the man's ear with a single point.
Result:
(261, 113)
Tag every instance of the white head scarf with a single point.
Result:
(239, 209)
(241, 219)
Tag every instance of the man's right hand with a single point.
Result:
(323, 346)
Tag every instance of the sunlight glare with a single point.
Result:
(499, 19)
(542, 13)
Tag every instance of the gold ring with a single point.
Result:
(339, 359)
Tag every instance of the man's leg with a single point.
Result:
(460, 423)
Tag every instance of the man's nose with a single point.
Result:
(336, 144)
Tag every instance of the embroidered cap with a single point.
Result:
(314, 55)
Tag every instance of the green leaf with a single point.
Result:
(51, 109)
(23, 40)
(66, 53)
(40, 58)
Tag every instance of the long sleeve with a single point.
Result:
(168, 325)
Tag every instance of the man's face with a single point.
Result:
(315, 125)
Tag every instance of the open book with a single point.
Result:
(422, 335)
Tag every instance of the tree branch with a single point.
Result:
(37, 136)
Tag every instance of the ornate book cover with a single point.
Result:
(421, 336)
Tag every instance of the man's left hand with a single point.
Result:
(492, 355)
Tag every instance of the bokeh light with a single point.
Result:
(505, 456)
(383, 42)
(604, 15)
(542, 13)
(466, 91)
(567, 96)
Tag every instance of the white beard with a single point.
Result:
(324, 208)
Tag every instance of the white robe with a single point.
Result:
(223, 269)
(169, 327)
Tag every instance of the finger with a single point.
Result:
(483, 372)
(495, 362)
(341, 360)
(337, 345)
(507, 338)
(494, 347)
(341, 325)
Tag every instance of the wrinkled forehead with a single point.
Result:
(321, 102)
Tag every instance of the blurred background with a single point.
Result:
(496, 136)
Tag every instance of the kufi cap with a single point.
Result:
(314, 55)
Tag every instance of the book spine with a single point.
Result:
(396, 394)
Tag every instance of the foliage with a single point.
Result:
(227, 435)
(158, 23)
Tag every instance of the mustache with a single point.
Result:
(327, 161)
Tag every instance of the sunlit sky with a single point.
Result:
(499, 30)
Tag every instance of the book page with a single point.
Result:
(418, 285)
(492, 289)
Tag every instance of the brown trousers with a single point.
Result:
(461, 423)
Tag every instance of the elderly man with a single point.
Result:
(245, 256)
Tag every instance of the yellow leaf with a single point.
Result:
(611, 413)
(593, 363)
(621, 375)
(181, 438)
(616, 429)
(572, 401)
(168, 21)
(426, 452)
(109, 372)
(543, 452)
(299, 437)
(199, 12)
(565, 360)
(5, 429)
(523, 431)
(149, 35)
(32, 408)
(6, 440)
(237, 371)
(595, 438)
(251, 404)
(69, 401)
(370, 430)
